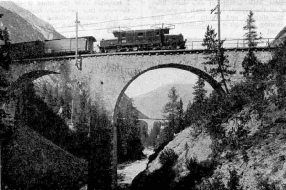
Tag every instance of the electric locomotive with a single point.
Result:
(142, 40)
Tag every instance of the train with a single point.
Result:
(128, 40)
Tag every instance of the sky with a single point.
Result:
(188, 17)
(159, 77)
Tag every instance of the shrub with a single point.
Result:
(264, 184)
(217, 183)
(168, 157)
(233, 183)
(197, 172)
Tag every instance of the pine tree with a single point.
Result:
(250, 63)
(83, 108)
(155, 131)
(199, 91)
(219, 64)
(251, 34)
(5, 55)
(171, 113)
(171, 109)
(196, 111)
(50, 99)
(129, 137)
(67, 100)
(181, 122)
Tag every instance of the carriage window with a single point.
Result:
(157, 33)
(140, 34)
(123, 35)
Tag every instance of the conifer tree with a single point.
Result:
(155, 131)
(129, 139)
(171, 113)
(251, 35)
(250, 63)
(181, 122)
(199, 91)
(195, 111)
(5, 55)
(216, 59)
(171, 109)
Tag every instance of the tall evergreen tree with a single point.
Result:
(199, 91)
(171, 109)
(5, 55)
(154, 133)
(216, 59)
(181, 122)
(171, 113)
(196, 111)
(251, 64)
(251, 35)
(129, 138)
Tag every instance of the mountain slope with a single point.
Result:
(123, 104)
(280, 37)
(32, 162)
(23, 25)
(152, 103)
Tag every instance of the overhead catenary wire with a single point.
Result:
(150, 24)
(171, 14)
(136, 18)
(105, 28)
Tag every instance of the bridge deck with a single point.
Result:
(152, 52)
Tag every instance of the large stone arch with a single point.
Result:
(216, 86)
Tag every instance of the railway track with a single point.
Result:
(142, 53)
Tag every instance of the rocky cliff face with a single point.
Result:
(262, 162)
(24, 26)
(187, 144)
(265, 160)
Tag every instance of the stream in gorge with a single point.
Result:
(128, 171)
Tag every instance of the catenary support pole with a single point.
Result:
(76, 40)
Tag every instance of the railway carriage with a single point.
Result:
(68, 45)
(38, 49)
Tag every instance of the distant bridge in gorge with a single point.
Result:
(105, 77)
(155, 119)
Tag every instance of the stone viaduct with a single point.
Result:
(106, 76)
